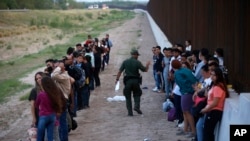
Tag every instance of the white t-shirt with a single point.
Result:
(176, 90)
(188, 48)
(207, 82)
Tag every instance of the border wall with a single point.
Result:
(211, 24)
(235, 110)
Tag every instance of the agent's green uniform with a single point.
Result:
(132, 84)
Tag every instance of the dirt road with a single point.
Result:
(108, 121)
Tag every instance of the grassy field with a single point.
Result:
(27, 39)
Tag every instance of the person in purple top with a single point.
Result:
(50, 102)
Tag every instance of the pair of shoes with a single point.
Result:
(193, 139)
(181, 125)
(179, 129)
(155, 89)
(138, 111)
(160, 91)
(181, 133)
(130, 114)
(190, 135)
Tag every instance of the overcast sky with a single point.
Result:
(109, 0)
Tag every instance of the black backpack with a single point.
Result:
(79, 75)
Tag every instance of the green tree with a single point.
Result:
(11, 4)
(3, 4)
(62, 4)
(29, 4)
(44, 4)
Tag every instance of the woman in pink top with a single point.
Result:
(215, 104)
(50, 103)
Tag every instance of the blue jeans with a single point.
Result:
(46, 123)
(91, 83)
(166, 82)
(63, 127)
(107, 56)
(158, 81)
(85, 96)
(199, 128)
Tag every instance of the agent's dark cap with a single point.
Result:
(134, 52)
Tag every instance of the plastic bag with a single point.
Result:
(117, 86)
(32, 133)
(167, 105)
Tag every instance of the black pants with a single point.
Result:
(211, 119)
(177, 105)
(103, 62)
(96, 76)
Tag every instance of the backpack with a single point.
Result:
(79, 75)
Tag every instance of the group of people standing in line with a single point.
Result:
(196, 82)
(64, 87)
(193, 79)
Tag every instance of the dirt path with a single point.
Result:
(108, 121)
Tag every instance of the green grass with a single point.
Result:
(24, 97)
(10, 87)
(12, 70)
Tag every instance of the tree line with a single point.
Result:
(40, 4)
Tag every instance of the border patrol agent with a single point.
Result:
(132, 80)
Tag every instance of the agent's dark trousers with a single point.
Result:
(132, 86)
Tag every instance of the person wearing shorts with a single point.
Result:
(185, 79)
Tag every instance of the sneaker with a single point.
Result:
(155, 89)
(179, 129)
(181, 125)
(160, 91)
(193, 139)
(190, 135)
(181, 133)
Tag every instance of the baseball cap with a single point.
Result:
(134, 52)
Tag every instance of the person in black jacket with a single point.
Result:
(158, 69)
(98, 64)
